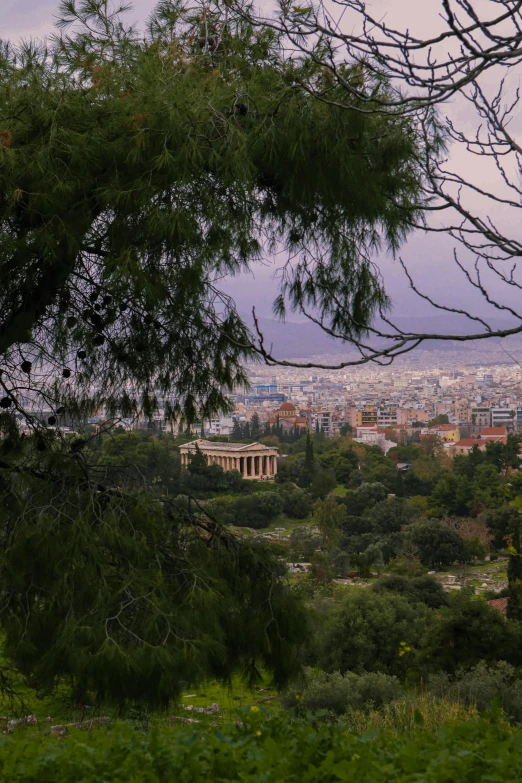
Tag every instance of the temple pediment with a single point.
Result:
(209, 445)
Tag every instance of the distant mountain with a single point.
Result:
(299, 340)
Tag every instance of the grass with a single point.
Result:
(339, 491)
(408, 714)
(59, 705)
(287, 522)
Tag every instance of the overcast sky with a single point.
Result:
(429, 257)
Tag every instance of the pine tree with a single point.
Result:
(120, 182)
(135, 171)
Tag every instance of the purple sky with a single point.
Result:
(429, 257)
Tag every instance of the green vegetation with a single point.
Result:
(136, 171)
(272, 750)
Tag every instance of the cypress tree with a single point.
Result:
(514, 574)
(255, 427)
(309, 454)
(237, 432)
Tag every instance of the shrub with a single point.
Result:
(483, 686)
(257, 510)
(304, 543)
(322, 484)
(297, 504)
(337, 693)
(222, 509)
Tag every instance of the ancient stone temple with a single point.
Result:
(253, 460)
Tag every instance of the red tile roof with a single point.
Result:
(499, 603)
(493, 431)
(471, 442)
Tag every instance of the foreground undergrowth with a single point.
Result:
(265, 749)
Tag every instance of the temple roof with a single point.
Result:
(207, 445)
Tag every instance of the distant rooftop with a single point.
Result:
(499, 603)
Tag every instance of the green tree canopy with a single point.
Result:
(437, 544)
(364, 631)
(469, 631)
(136, 170)
(129, 598)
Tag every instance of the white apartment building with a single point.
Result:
(222, 426)
(501, 416)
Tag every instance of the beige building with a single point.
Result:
(253, 460)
